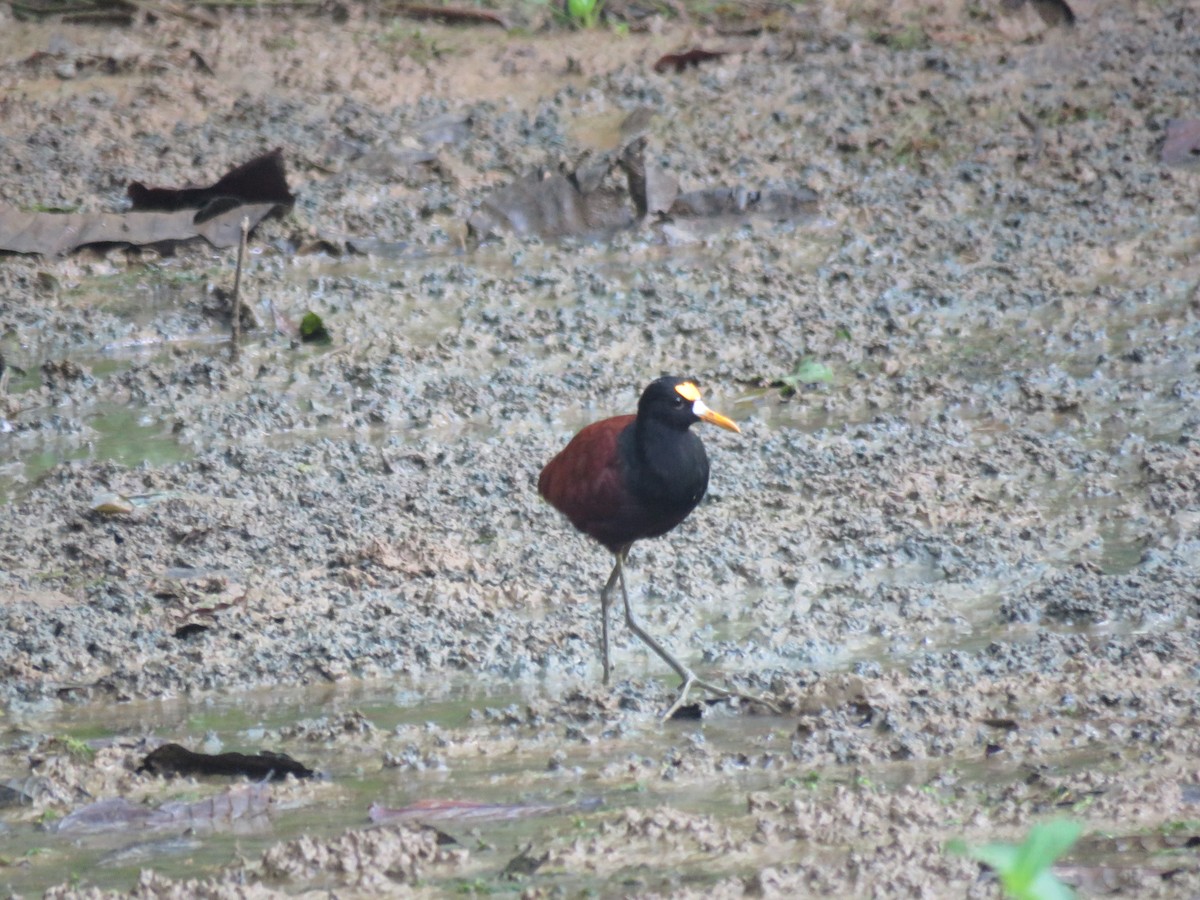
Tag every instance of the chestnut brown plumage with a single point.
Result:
(632, 477)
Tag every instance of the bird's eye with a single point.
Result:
(677, 401)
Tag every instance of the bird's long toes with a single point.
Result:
(692, 681)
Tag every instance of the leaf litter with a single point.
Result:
(160, 217)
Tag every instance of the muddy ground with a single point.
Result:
(965, 569)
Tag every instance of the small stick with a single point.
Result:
(1038, 137)
(237, 287)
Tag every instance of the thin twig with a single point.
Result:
(1035, 129)
(237, 290)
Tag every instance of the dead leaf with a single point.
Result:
(1182, 146)
(589, 201)
(681, 61)
(1001, 723)
(174, 759)
(653, 189)
(241, 802)
(454, 15)
(524, 863)
(550, 205)
(779, 204)
(261, 180)
(53, 234)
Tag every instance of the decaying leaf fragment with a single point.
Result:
(1182, 146)
(589, 200)
(686, 59)
(549, 205)
(55, 234)
(240, 804)
(261, 180)
(174, 759)
(162, 217)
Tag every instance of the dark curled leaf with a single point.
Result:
(173, 759)
(261, 180)
(681, 61)
(525, 863)
(1004, 724)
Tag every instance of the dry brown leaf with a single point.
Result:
(55, 234)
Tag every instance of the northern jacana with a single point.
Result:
(631, 477)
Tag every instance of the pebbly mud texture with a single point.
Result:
(965, 568)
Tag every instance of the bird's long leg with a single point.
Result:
(688, 677)
(605, 603)
(664, 654)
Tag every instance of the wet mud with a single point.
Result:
(964, 569)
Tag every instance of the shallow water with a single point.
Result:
(510, 768)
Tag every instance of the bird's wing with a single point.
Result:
(584, 481)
